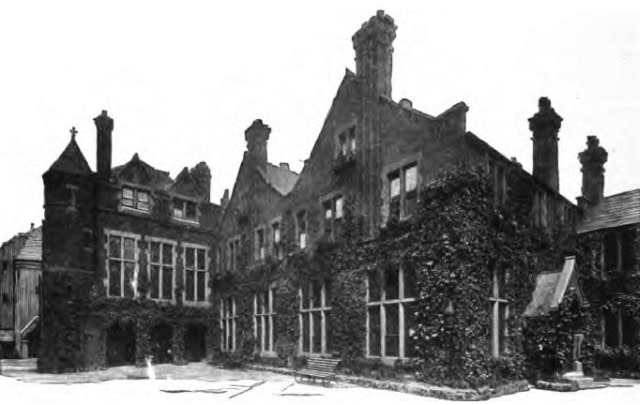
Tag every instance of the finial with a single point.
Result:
(73, 132)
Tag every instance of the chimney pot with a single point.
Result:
(284, 165)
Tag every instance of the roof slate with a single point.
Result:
(32, 249)
(615, 210)
(71, 160)
(551, 289)
(279, 178)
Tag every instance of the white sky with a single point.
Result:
(184, 79)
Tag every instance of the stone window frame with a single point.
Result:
(228, 320)
(498, 301)
(403, 303)
(207, 291)
(323, 309)
(265, 342)
(135, 189)
(330, 223)
(233, 248)
(136, 257)
(174, 244)
(184, 201)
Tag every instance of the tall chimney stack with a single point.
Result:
(257, 136)
(104, 126)
(545, 125)
(593, 159)
(374, 52)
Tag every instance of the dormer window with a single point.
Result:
(183, 209)
(136, 199)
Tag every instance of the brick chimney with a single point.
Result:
(104, 126)
(545, 125)
(374, 52)
(592, 159)
(257, 136)
(202, 176)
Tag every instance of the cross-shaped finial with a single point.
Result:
(73, 131)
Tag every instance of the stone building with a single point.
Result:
(127, 258)
(20, 276)
(405, 244)
(288, 286)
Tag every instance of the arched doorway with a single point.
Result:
(121, 344)
(161, 338)
(194, 342)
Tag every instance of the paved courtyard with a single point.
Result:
(203, 384)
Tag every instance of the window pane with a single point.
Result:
(127, 193)
(128, 279)
(409, 328)
(114, 246)
(611, 329)
(317, 332)
(327, 331)
(190, 258)
(189, 285)
(155, 252)
(502, 326)
(267, 333)
(410, 178)
(410, 200)
(200, 256)
(392, 337)
(339, 207)
(129, 248)
(629, 331)
(167, 283)
(143, 196)
(316, 292)
(374, 331)
(177, 212)
(391, 285)
(305, 332)
(276, 232)
(167, 253)
(191, 210)
(114, 278)
(328, 212)
(200, 286)
(410, 281)
(155, 281)
(394, 186)
(305, 296)
(374, 286)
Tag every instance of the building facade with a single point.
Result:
(406, 244)
(128, 256)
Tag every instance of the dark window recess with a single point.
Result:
(391, 283)
(190, 283)
(5, 265)
(611, 251)
(155, 281)
(167, 282)
(611, 337)
(628, 251)
(392, 336)
(374, 286)
(374, 330)
(629, 331)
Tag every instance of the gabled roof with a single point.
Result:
(551, 289)
(32, 249)
(614, 210)
(281, 179)
(71, 160)
(138, 171)
(186, 184)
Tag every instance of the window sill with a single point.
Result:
(192, 222)
(201, 304)
(136, 211)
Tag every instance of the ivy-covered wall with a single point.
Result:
(453, 242)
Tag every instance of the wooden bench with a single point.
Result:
(322, 368)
